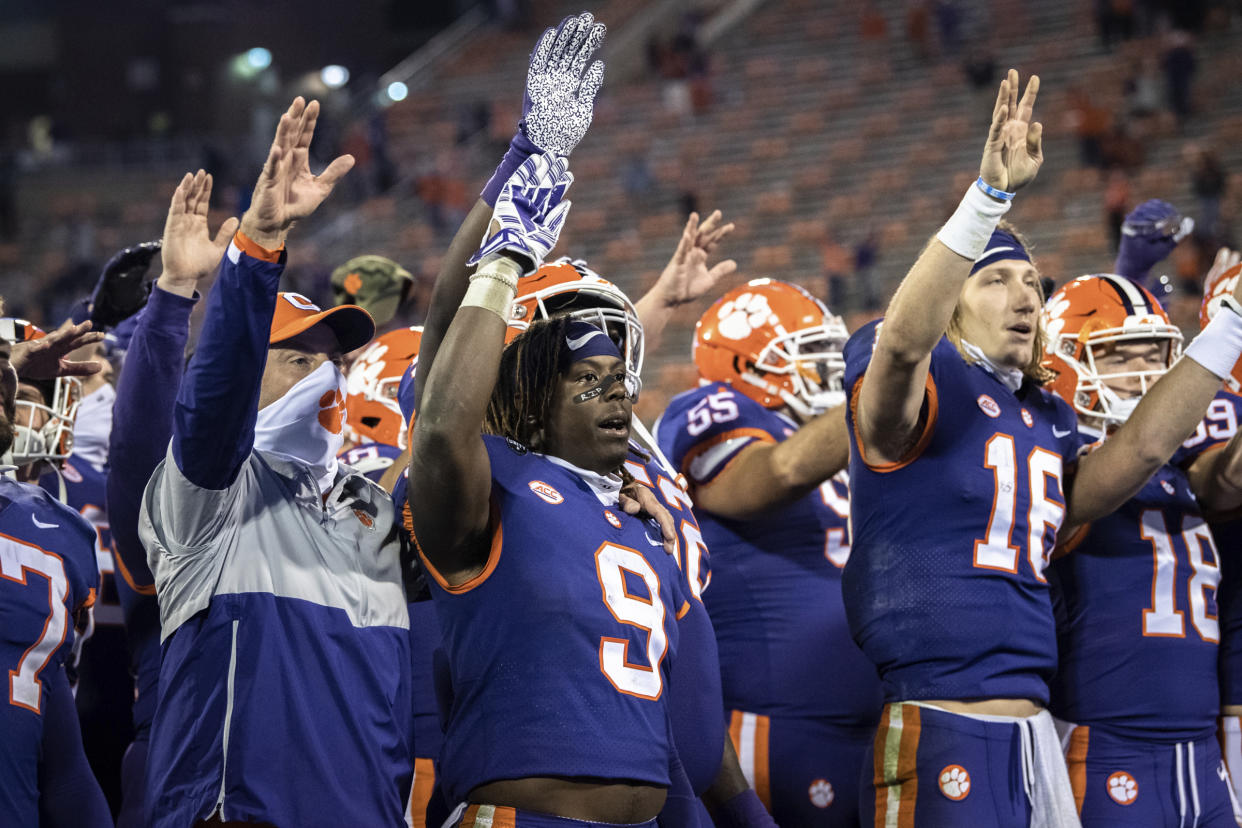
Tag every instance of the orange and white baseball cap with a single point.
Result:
(295, 313)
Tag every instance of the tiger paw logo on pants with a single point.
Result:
(821, 793)
(954, 782)
(1123, 788)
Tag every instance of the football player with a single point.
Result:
(48, 581)
(961, 476)
(1136, 682)
(762, 440)
(375, 433)
(1216, 438)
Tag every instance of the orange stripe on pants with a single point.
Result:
(1076, 759)
(750, 733)
(420, 792)
(501, 817)
(896, 765)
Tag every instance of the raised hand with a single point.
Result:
(559, 100)
(1014, 151)
(686, 277)
(530, 213)
(48, 357)
(190, 252)
(287, 190)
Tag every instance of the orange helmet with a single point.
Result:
(371, 387)
(1097, 311)
(775, 343)
(568, 287)
(1213, 292)
(42, 432)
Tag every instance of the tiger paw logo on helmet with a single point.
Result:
(738, 317)
(1123, 788)
(954, 782)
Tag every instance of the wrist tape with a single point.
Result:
(494, 286)
(1218, 346)
(967, 231)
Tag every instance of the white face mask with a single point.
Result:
(307, 423)
(93, 425)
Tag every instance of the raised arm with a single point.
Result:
(767, 475)
(1166, 416)
(450, 475)
(686, 277)
(213, 424)
(557, 109)
(890, 400)
(147, 389)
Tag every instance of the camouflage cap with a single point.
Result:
(376, 284)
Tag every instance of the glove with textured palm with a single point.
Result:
(559, 101)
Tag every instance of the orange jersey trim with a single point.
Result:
(1071, 543)
(1076, 759)
(493, 556)
(930, 399)
(255, 250)
(119, 565)
(757, 433)
(685, 608)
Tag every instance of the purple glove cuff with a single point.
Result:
(743, 811)
(520, 148)
(1139, 254)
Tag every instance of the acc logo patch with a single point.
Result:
(954, 782)
(1028, 419)
(988, 406)
(364, 518)
(1123, 788)
(71, 474)
(546, 492)
(1168, 487)
(821, 793)
(613, 519)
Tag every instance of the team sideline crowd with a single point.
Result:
(971, 564)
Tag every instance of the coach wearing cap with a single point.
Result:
(284, 688)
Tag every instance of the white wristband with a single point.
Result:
(494, 286)
(1219, 345)
(967, 231)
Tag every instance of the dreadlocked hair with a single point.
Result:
(521, 402)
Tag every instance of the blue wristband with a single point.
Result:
(992, 191)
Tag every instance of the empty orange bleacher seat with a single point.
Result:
(769, 258)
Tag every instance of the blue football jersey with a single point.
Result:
(945, 589)
(695, 701)
(1217, 428)
(1134, 595)
(561, 650)
(775, 598)
(370, 459)
(48, 575)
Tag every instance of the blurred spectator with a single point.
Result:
(918, 28)
(980, 66)
(1119, 149)
(1142, 88)
(949, 22)
(1116, 200)
(872, 25)
(1114, 20)
(1090, 123)
(1179, 72)
(837, 266)
(1208, 181)
(636, 177)
(865, 254)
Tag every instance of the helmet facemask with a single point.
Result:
(1094, 400)
(813, 361)
(52, 441)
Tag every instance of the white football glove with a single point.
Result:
(557, 106)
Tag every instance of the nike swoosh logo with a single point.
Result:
(1056, 432)
(43, 525)
(575, 344)
(987, 253)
